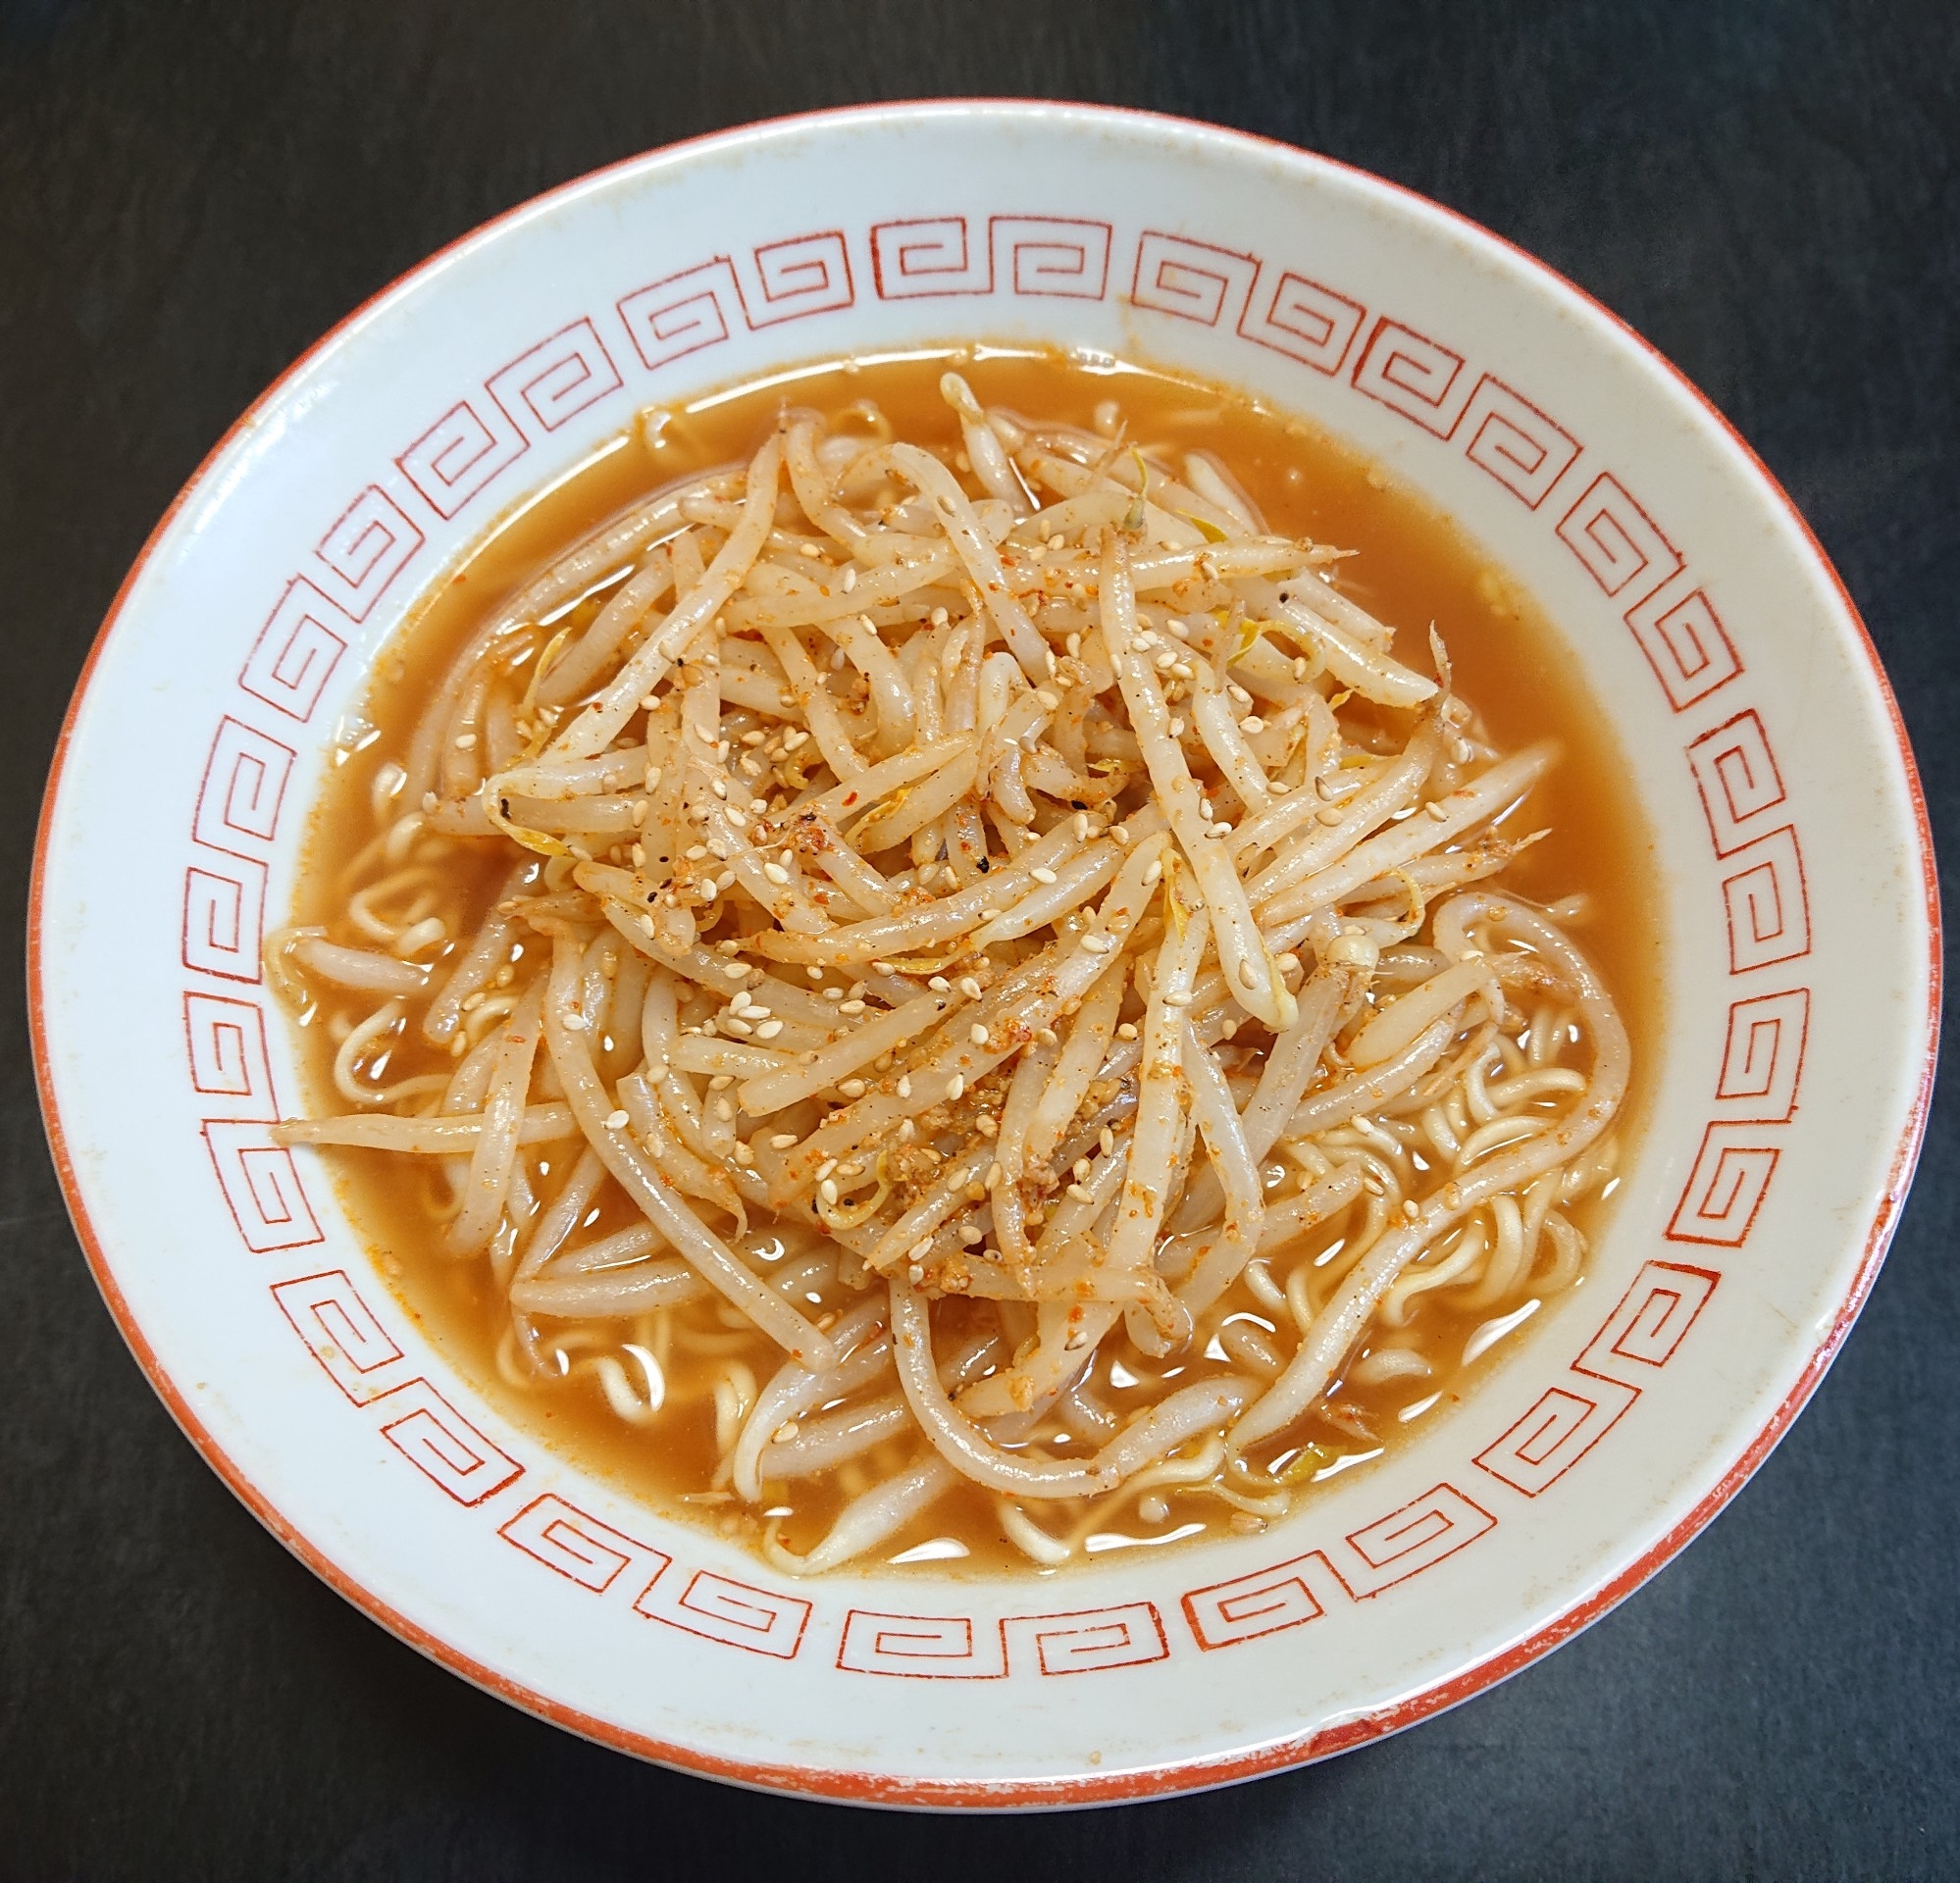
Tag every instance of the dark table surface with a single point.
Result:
(192, 193)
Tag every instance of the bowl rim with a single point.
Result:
(872, 1788)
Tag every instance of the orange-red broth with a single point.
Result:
(1412, 567)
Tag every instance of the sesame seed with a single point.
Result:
(994, 1174)
(969, 987)
(1154, 873)
(1435, 810)
(617, 1121)
(783, 1140)
(1043, 875)
(851, 1006)
(1049, 701)
(1097, 943)
(1080, 1195)
(464, 740)
(827, 1190)
(1178, 998)
(956, 1088)
(849, 578)
(1126, 1031)
(724, 1110)
(776, 873)
(852, 1087)
(977, 1033)
(824, 1169)
(905, 1086)
(768, 1030)
(737, 970)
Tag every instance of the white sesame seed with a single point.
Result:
(852, 1087)
(977, 1033)
(724, 1110)
(783, 1140)
(827, 1190)
(617, 1121)
(1043, 875)
(956, 1088)
(905, 1086)
(768, 1030)
(969, 987)
(776, 873)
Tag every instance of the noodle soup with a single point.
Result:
(902, 963)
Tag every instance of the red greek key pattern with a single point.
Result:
(1767, 903)
(360, 558)
(444, 1445)
(1287, 1594)
(461, 453)
(371, 544)
(577, 1546)
(1055, 257)
(295, 653)
(261, 1186)
(927, 256)
(1565, 1424)
(921, 1646)
(1652, 1318)
(1736, 774)
(1518, 444)
(1195, 281)
(1726, 1187)
(1304, 321)
(244, 782)
(556, 379)
(1642, 1333)
(224, 915)
(1415, 375)
(1686, 644)
(801, 275)
(343, 1333)
(1088, 1641)
(1620, 545)
(226, 1040)
(722, 1609)
(682, 312)
(1761, 1058)
(1415, 1538)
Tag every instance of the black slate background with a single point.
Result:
(189, 194)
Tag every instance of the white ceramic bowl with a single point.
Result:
(1791, 847)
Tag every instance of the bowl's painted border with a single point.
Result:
(873, 1788)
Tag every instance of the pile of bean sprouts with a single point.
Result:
(974, 911)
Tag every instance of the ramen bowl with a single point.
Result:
(1784, 1086)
